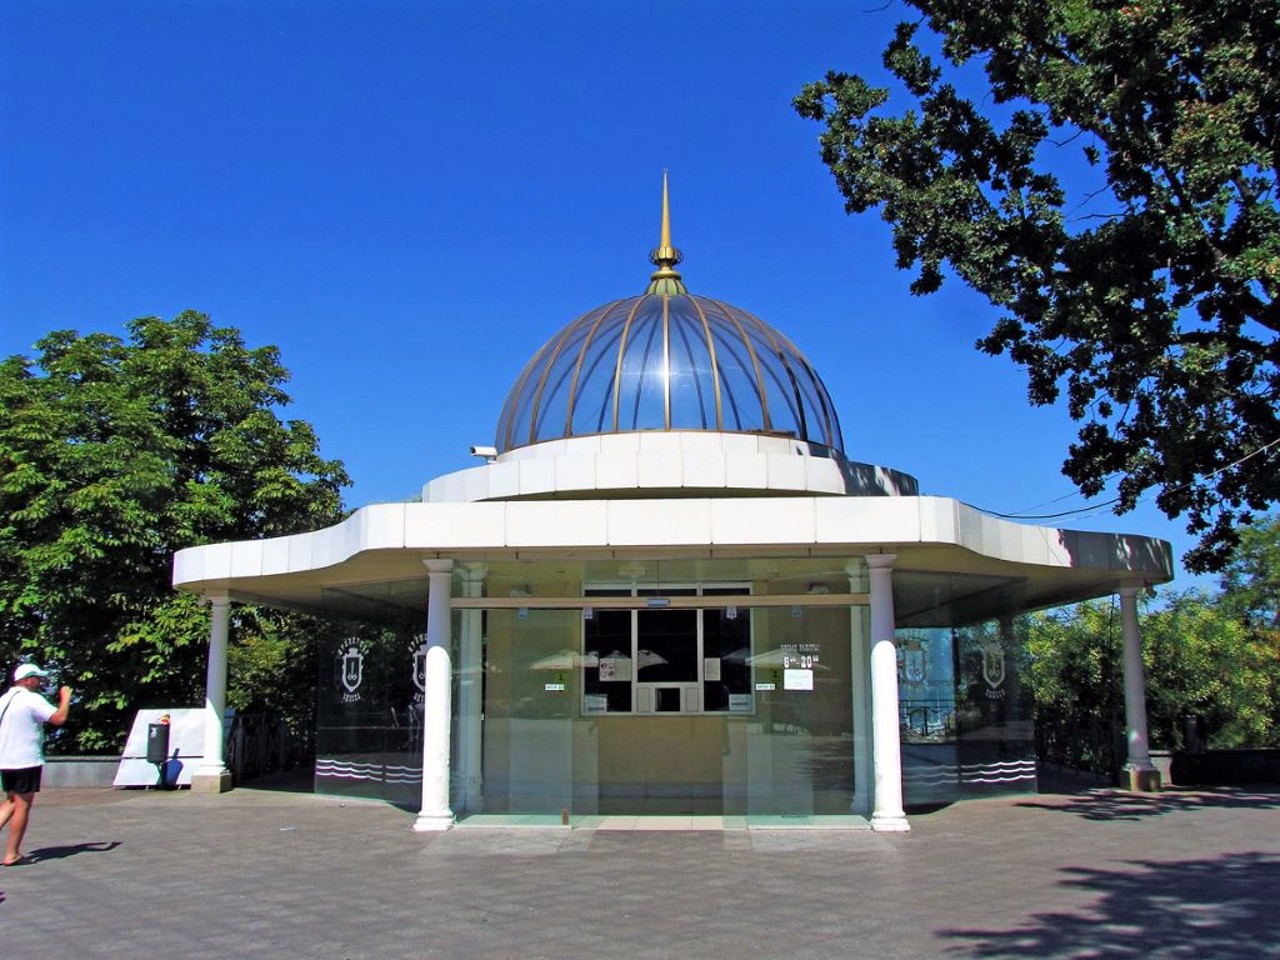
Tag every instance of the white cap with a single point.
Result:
(25, 670)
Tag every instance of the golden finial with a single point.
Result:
(666, 280)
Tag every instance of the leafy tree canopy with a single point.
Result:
(113, 455)
(1251, 580)
(1112, 189)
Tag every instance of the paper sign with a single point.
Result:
(797, 679)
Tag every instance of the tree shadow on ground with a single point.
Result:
(1114, 804)
(1223, 907)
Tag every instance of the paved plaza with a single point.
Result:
(275, 874)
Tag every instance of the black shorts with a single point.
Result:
(26, 780)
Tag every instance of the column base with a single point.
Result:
(1140, 779)
(433, 822)
(217, 781)
(890, 824)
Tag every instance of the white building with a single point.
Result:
(667, 590)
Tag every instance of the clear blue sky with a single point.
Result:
(409, 198)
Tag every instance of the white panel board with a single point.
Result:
(186, 748)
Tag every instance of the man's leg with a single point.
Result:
(6, 808)
(17, 825)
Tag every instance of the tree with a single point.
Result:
(1111, 188)
(1251, 580)
(1198, 660)
(1201, 660)
(1216, 656)
(115, 454)
(1075, 681)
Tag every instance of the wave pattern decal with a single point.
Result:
(377, 772)
(1009, 771)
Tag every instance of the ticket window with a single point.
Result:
(667, 661)
(667, 678)
(668, 698)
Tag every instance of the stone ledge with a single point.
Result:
(79, 771)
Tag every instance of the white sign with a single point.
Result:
(615, 668)
(740, 702)
(766, 686)
(594, 703)
(186, 749)
(797, 679)
(711, 668)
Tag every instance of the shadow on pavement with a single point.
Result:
(61, 853)
(1112, 804)
(1221, 907)
(298, 780)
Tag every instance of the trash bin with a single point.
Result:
(157, 743)
(1193, 733)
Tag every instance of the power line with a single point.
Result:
(1098, 507)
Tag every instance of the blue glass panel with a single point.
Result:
(642, 384)
(693, 399)
(667, 376)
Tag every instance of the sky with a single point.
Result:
(409, 198)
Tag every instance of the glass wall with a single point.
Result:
(714, 709)
(369, 713)
(793, 757)
(965, 715)
(531, 693)
(703, 691)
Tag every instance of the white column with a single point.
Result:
(887, 813)
(1142, 773)
(470, 789)
(212, 775)
(860, 687)
(437, 702)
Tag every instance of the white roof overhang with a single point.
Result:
(936, 539)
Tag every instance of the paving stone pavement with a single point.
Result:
(260, 873)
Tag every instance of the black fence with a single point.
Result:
(259, 745)
(1084, 744)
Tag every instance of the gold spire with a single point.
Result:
(666, 281)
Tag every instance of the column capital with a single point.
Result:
(1129, 590)
(857, 572)
(216, 598)
(472, 572)
(438, 566)
(880, 561)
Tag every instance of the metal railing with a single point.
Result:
(260, 744)
(927, 719)
(1080, 743)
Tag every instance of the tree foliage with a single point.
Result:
(114, 454)
(1251, 580)
(1212, 656)
(1111, 188)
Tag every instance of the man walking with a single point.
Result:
(23, 714)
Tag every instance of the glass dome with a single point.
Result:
(667, 360)
(662, 362)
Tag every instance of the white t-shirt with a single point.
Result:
(22, 728)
